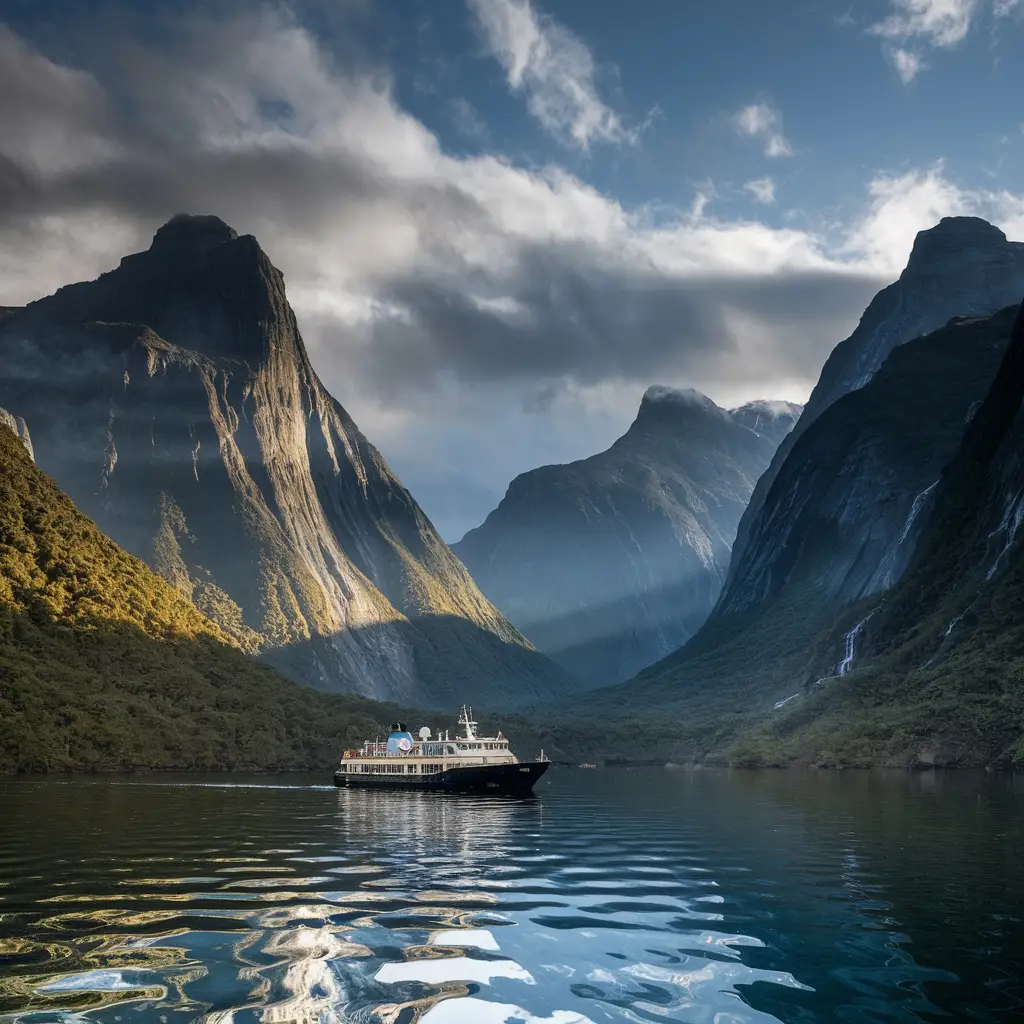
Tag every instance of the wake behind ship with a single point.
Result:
(466, 764)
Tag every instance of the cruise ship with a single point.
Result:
(467, 764)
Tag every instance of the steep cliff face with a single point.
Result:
(19, 428)
(610, 563)
(939, 667)
(173, 400)
(961, 267)
(846, 506)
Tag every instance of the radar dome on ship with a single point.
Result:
(400, 740)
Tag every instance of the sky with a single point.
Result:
(500, 221)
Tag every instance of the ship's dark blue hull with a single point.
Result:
(515, 779)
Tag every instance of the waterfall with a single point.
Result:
(783, 703)
(915, 511)
(1012, 518)
(844, 665)
(886, 575)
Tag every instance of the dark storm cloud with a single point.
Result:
(244, 116)
(569, 318)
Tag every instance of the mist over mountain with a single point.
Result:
(614, 561)
(173, 400)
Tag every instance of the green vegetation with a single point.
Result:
(104, 666)
(965, 708)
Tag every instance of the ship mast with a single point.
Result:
(466, 719)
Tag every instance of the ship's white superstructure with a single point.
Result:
(413, 760)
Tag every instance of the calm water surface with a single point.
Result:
(665, 895)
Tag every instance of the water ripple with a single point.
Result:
(697, 897)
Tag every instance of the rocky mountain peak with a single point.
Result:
(613, 561)
(667, 406)
(955, 239)
(199, 285)
(192, 233)
(771, 417)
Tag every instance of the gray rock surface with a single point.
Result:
(19, 427)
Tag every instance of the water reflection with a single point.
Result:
(657, 896)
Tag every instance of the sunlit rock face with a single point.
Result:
(610, 563)
(173, 400)
(962, 267)
(19, 428)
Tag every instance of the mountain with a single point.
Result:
(939, 675)
(842, 514)
(104, 665)
(173, 400)
(612, 562)
(841, 524)
(963, 266)
(771, 419)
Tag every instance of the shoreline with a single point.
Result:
(616, 765)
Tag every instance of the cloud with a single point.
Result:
(939, 23)
(763, 122)
(467, 309)
(553, 68)
(936, 24)
(908, 65)
(466, 119)
(762, 189)
(900, 205)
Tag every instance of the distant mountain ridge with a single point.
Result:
(613, 561)
(174, 401)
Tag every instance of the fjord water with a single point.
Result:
(660, 895)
